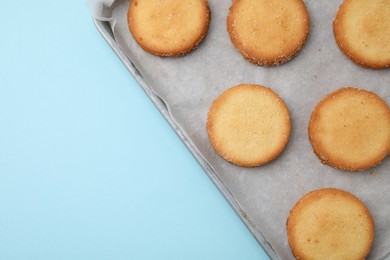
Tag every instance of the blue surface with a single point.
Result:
(88, 167)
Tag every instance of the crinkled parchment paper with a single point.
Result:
(189, 84)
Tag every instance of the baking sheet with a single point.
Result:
(189, 84)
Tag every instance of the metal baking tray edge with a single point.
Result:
(105, 30)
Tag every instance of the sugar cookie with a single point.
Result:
(168, 27)
(330, 224)
(350, 129)
(268, 32)
(362, 31)
(248, 125)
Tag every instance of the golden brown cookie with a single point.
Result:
(168, 27)
(350, 129)
(330, 224)
(268, 32)
(362, 31)
(248, 125)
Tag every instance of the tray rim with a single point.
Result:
(105, 30)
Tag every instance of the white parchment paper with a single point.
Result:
(189, 84)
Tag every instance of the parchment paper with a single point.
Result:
(189, 84)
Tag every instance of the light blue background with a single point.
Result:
(88, 167)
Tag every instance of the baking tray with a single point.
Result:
(261, 196)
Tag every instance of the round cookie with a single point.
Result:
(330, 224)
(362, 32)
(268, 32)
(350, 129)
(169, 27)
(248, 125)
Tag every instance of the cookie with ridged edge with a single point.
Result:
(169, 27)
(268, 32)
(350, 129)
(362, 32)
(248, 125)
(330, 224)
